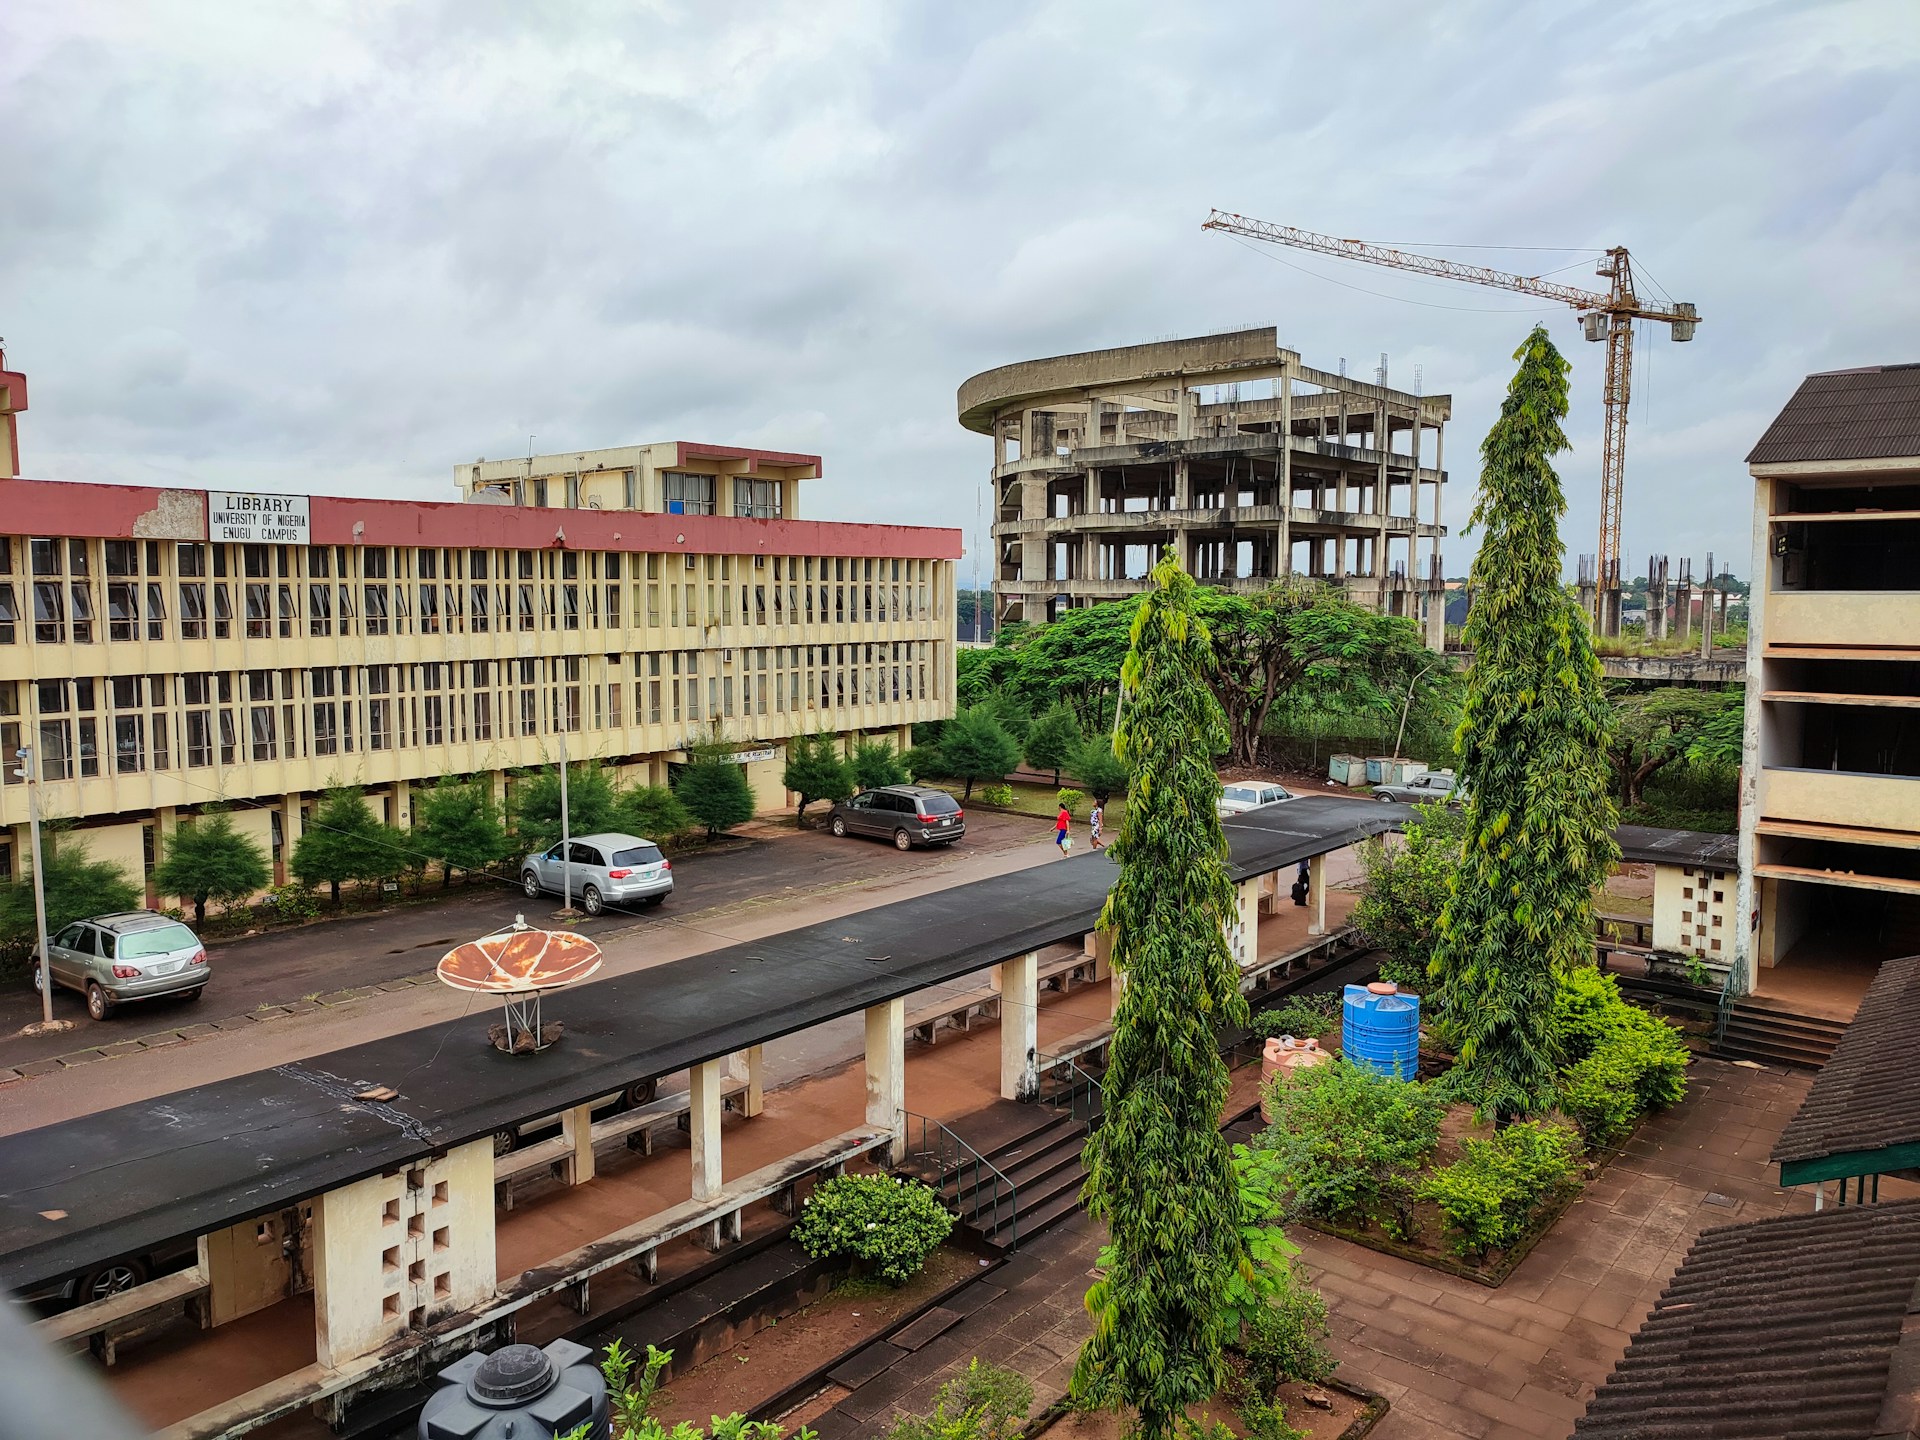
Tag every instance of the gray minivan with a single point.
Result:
(135, 955)
(607, 869)
(908, 815)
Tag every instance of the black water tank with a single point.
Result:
(518, 1393)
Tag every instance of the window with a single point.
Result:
(379, 724)
(156, 611)
(190, 561)
(46, 557)
(320, 609)
(756, 499)
(129, 745)
(9, 612)
(259, 608)
(374, 609)
(193, 611)
(49, 612)
(82, 594)
(688, 494)
(222, 612)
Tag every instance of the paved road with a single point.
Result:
(290, 965)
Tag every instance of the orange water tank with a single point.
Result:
(1283, 1055)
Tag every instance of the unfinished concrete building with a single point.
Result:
(1253, 464)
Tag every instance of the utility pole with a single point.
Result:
(566, 834)
(29, 771)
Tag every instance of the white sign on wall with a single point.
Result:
(237, 518)
(749, 757)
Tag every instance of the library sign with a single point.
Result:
(237, 518)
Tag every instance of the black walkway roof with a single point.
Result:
(1790, 1326)
(1655, 846)
(124, 1180)
(1862, 1112)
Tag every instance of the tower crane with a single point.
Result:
(1605, 317)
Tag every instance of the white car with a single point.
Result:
(1245, 795)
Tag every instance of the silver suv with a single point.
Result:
(909, 815)
(608, 869)
(135, 955)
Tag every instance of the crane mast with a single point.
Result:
(1605, 317)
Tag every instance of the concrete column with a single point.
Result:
(403, 804)
(576, 1126)
(1116, 988)
(1317, 895)
(1243, 927)
(887, 1070)
(1019, 980)
(749, 1066)
(289, 835)
(705, 1083)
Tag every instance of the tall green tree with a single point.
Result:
(77, 886)
(653, 812)
(536, 803)
(816, 770)
(458, 824)
(876, 763)
(975, 746)
(1654, 728)
(1052, 741)
(714, 789)
(1074, 660)
(1099, 771)
(343, 841)
(1159, 1173)
(207, 859)
(1533, 756)
(1408, 884)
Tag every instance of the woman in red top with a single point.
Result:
(1060, 824)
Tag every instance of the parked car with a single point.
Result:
(110, 1277)
(509, 1138)
(607, 869)
(909, 815)
(1242, 796)
(134, 955)
(1435, 785)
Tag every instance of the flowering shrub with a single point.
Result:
(891, 1225)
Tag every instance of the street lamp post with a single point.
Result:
(29, 771)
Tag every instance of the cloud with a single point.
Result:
(345, 247)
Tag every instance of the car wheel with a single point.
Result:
(505, 1142)
(590, 900)
(530, 884)
(653, 900)
(641, 1092)
(1378, 795)
(99, 1003)
(38, 980)
(839, 828)
(195, 993)
(114, 1278)
(902, 840)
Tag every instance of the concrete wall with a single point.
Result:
(1694, 910)
(1878, 802)
(1856, 617)
(395, 1251)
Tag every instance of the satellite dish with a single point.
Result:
(519, 964)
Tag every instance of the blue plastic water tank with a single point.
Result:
(1380, 1030)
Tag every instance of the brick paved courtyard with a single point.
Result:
(1455, 1358)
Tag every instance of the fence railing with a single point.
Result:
(979, 1186)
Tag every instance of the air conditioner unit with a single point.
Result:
(759, 562)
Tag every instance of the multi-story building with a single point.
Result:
(164, 648)
(1830, 795)
(1254, 465)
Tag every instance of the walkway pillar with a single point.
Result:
(1020, 1026)
(748, 1066)
(1317, 895)
(705, 1084)
(576, 1125)
(887, 1071)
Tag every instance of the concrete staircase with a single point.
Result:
(1773, 1035)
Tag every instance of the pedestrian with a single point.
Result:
(1300, 886)
(1061, 823)
(1095, 820)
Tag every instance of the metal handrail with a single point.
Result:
(1734, 986)
(1063, 1081)
(979, 1186)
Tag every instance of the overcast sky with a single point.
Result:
(339, 248)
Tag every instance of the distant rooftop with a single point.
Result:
(1867, 414)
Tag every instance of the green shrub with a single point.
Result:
(1001, 795)
(1304, 1016)
(1351, 1143)
(983, 1403)
(1410, 977)
(1492, 1191)
(891, 1225)
(1072, 800)
(1287, 1339)
(1621, 1061)
(1262, 1419)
